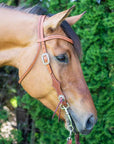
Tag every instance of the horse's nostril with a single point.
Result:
(90, 122)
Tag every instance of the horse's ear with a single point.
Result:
(73, 19)
(53, 22)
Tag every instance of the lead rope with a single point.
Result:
(77, 138)
(69, 139)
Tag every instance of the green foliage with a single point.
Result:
(95, 31)
(3, 115)
(51, 131)
(29, 2)
(16, 136)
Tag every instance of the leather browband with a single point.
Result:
(56, 37)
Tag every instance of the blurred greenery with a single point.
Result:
(95, 30)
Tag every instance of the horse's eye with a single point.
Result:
(63, 58)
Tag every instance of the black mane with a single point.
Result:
(65, 26)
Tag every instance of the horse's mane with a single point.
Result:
(42, 11)
(37, 9)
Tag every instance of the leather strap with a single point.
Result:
(35, 59)
(69, 141)
(55, 82)
(41, 44)
(77, 138)
(55, 37)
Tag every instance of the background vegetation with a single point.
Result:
(95, 30)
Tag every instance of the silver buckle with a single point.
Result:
(43, 60)
(61, 96)
(65, 107)
(70, 126)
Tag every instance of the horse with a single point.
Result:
(54, 76)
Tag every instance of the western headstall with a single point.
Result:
(46, 61)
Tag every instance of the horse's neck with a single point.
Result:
(17, 32)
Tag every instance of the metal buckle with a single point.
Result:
(69, 138)
(61, 97)
(70, 134)
(43, 59)
(70, 126)
(65, 107)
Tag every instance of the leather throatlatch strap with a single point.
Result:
(34, 60)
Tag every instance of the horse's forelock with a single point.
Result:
(71, 34)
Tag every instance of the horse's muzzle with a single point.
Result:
(84, 126)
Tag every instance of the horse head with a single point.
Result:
(65, 64)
